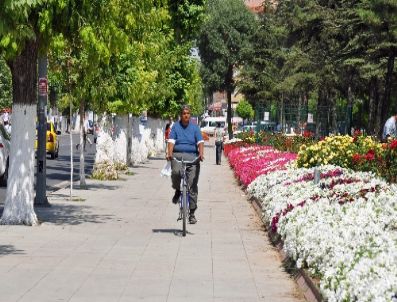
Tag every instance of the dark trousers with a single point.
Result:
(219, 148)
(192, 175)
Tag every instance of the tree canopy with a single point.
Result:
(325, 52)
(223, 44)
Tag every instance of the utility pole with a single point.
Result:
(41, 190)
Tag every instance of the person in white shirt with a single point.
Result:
(86, 128)
(390, 129)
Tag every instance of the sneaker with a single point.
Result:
(192, 219)
(177, 194)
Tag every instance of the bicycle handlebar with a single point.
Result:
(194, 161)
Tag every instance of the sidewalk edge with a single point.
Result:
(304, 281)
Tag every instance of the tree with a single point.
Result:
(223, 42)
(5, 85)
(27, 29)
(20, 39)
(244, 110)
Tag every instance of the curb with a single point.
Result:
(302, 278)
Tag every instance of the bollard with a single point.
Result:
(316, 175)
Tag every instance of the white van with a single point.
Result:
(208, 124)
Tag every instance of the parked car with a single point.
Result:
(209, 124)
(4, 155)
(52, 142)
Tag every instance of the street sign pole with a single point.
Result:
(41, 191)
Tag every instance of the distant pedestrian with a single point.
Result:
(86, 129)
(167, 132)
(219, 138)
(390, 129)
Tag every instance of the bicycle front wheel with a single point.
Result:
(184, 210)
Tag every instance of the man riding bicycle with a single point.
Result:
(185, 142)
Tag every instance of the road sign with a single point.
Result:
(43, 87)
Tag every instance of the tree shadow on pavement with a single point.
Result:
(157, 158)
(176, 232)
(71, 215)
(98, 186)
(9, 249)
(144, 167)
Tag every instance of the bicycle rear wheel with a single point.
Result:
(184, 210)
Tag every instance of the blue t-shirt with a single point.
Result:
(185, 139)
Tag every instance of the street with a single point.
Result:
(58, 170)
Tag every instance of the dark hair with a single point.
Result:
(167, 126)
(185, 107)
(218, 124)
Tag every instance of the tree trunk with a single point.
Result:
(372, 105)
(129, 138)
(379, 118)
(18, 208)
(282, 114)
(333, 114)
(320, 114)
(299, 115)
(83, 143)
(388, 88)
(229, 90)
(104, 146)
(349, 111)
(121, 139)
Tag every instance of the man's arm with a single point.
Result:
(170, 148)
(201, 150)
(200, 143)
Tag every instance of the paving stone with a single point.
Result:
(123, 243)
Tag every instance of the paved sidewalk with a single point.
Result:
(121, 242)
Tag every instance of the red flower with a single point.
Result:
(370, 155)
(357, 133)
(356, 157)
(393, 144)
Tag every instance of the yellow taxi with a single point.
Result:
(52, 142)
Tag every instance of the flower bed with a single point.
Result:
(343, 230)
(279, 141)
(250, 162)
(359, 153)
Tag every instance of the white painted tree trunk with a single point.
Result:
(18, 208)
(83, 183)
(104, 148)
(120, 139)
(129, 138)
(147, 140)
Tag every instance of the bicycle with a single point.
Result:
(184, 199)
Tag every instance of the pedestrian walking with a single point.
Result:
(86, 129)
(219, 138)
(167, 132)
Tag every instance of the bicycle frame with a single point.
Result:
(184, 199)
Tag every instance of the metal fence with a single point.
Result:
(322, 121)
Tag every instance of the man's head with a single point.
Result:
(185, 114)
